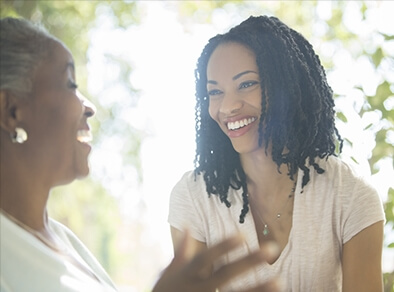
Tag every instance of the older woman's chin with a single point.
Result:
(81, 163)
(82, 176)
(70, 179)
(83, 173)
(79, 172)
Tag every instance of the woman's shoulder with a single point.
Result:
(334, 166)
(192, 187)
(191, 181)
(193, 176)
(345, 179)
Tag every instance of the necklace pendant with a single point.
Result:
(266, 230)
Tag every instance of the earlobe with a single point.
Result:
(8, 111)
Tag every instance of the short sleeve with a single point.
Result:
(364, 209)
(183, 213)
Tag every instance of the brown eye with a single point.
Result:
(214, 92)
(247, 84)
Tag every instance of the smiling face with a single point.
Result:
(233, 85)
(56, 120)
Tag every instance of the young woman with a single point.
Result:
(266, 166)
(44, 142)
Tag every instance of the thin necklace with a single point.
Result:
(33, 232)
(266, 230)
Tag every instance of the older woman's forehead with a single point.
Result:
(61, 53)
(57, 65)
(60, 59)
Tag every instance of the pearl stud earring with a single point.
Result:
(20, 136)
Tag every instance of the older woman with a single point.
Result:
(44, 143)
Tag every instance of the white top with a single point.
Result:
(27, 264)
(333, 208)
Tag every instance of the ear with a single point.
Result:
(9, 107)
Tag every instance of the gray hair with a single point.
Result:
(23, 46)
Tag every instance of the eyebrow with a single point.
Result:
(243, 73)
(235, 77)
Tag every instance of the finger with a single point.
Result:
(271, 286)
(206, 258)
(244, 264)
(234, 269)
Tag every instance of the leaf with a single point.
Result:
(383, 91)
(348, 141)
(354, 159)
(342, 117)
(377, 57)
(388, 37)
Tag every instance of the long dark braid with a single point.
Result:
(297, 117)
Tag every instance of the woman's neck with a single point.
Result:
(262, 173)
(23, 198)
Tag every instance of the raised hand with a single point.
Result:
(191, 273)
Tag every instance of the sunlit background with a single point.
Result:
(139, 71)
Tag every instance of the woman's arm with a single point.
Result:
(362, 260)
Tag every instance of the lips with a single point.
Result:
(84, 136)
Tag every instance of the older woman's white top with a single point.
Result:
(332, 208)
(27, 264)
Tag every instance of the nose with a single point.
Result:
(90, 108)
(231, 103)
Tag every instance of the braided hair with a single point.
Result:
(299, 122)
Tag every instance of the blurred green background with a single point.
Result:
(129, 57)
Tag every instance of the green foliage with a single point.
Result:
(389, 210)
(388, 282)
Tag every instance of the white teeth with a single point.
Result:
(84, 136)
(239, 124)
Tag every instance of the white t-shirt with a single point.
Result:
(27, 264)
(333, 207)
